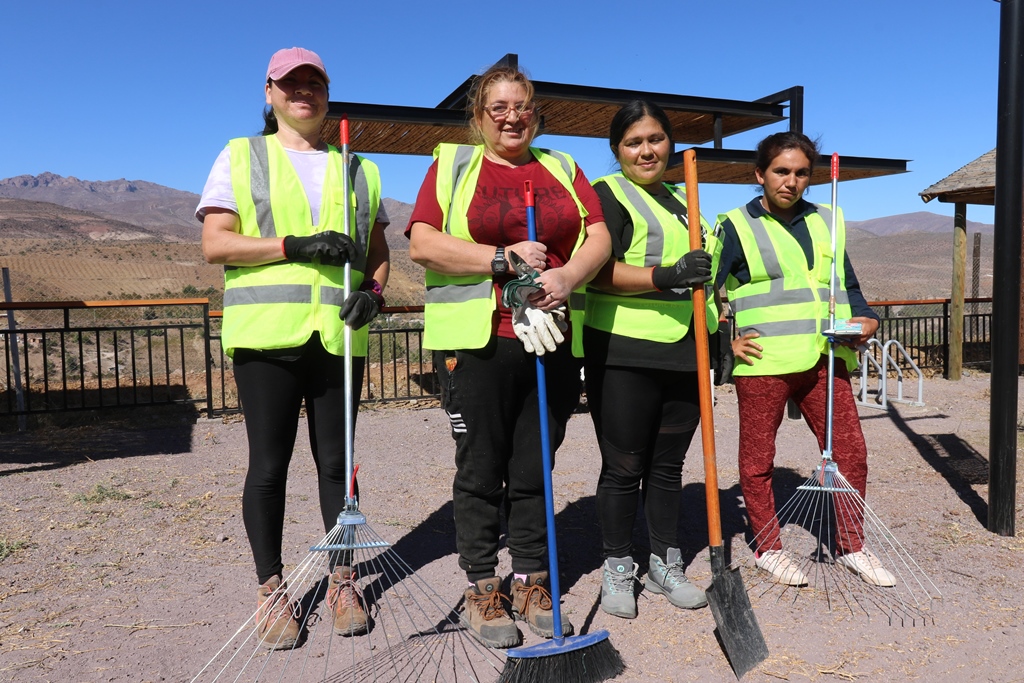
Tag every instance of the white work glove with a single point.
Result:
(540, 331)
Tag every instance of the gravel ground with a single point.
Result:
(123, 557)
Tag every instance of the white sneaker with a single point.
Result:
(782, 567)
(869, 567)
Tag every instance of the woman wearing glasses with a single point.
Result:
(470, 215)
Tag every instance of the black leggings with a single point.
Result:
(271, 392)
(644, 420)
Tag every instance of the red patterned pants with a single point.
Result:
(762, 402)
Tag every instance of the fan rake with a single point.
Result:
(414, 633)
(827, 505)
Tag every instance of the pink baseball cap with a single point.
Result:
(289, 59)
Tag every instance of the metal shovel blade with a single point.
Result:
(737, 626)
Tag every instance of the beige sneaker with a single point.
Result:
(781, 566)
(276, 616)
(485, 617)
(869, 567)
(344, 603)
(531, 602)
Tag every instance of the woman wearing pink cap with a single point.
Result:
(272, 214)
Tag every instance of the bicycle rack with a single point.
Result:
(882, 399)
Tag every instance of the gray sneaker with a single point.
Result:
(669, 579)
(617, 596)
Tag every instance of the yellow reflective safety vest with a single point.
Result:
(659, 239)
(785, 302)
(280, 305)
(458, 309)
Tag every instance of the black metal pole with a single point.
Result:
(1006, 269)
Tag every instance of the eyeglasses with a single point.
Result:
(500, 111)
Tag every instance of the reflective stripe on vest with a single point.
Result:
(659, 238)
(272, 203)
(785, 302)
(458, 308)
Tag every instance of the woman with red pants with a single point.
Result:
(776, 262)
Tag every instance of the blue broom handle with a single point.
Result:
(545, 451)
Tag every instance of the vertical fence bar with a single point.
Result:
(99, 368)
(149, 365)
(117, 372)
(945, 340)
(19, 393)
(209, 360)
(135, 370)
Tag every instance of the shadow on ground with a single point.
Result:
(121, 433)
(959, 463)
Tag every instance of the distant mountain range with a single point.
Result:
(907, 256)
(169, 213)
(918, 221)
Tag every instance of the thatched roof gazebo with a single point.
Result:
(974, 183)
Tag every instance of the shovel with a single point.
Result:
(737, 626)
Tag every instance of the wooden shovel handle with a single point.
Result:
(700, 333)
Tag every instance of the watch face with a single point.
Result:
(499, 265)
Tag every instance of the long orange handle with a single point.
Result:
(700, 332)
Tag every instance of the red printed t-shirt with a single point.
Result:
(497, 215)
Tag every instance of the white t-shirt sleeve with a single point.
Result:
(218, 191)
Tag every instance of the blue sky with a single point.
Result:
(104, 89)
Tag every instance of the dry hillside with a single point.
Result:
(122, 239)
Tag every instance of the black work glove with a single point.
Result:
(723, 354)
(359, 309)
(330, 248)
(693, 269)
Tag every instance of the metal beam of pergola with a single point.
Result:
(586, 112)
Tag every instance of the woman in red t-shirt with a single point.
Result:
(461, 231)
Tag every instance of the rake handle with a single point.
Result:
(700, 332)
(350, 474)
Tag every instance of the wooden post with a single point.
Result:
(956, 310)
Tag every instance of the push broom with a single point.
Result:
(586, 658)
(827, 505)
(413, 632)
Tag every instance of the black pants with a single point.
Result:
(645, 420)
(271, 392)
(491, 398)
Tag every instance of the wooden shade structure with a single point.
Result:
(974, 183)
(586, 111)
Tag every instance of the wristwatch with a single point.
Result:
(499, 266)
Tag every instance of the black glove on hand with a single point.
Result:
(330, 248)
(360, 308)
(723, 354)
(693, 269)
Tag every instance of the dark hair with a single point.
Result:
(632, 112)
(777, 143)
(270, 119)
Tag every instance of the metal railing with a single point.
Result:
(922, 329)
(86, 355)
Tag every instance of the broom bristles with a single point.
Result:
(591, 664)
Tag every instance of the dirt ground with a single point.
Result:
(123, 556)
